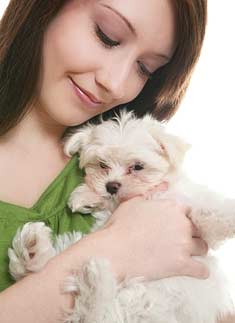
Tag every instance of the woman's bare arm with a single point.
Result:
(38, 297)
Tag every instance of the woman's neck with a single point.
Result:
(31, 157)
(34, 132)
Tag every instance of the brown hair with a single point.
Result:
(21, 35)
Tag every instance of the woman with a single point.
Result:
(63, 63)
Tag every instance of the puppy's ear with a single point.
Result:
(168, 145)
(75, 142)
(173, 147)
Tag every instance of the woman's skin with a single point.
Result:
(32, 154)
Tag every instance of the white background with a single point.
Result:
(206, 118)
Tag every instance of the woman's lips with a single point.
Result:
(86, 98)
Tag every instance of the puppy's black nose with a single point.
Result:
(113, 187)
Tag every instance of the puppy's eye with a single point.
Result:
(135, 168)
(138, 166)
(103, 165)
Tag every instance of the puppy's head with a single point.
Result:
(126, 156)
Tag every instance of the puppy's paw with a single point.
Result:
(83, 200)
(94, 289)
(31, 249)
(77, 204)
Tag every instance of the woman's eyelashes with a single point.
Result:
(109, 43)
(143, 70)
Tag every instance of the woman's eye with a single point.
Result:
(106, 41)
(144, 71)
(103, 165)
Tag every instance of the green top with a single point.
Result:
(51, 208)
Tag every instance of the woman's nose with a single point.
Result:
(113, 78)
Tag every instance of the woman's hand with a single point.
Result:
(154, 239)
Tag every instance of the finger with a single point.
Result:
(184, 207)
(162, 187)
(195, 231)
(199, 247)
(196, 269)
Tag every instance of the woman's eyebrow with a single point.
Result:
(131, 27)
(127, 22)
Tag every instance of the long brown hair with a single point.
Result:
(21, 35)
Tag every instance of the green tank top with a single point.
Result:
(51, 208)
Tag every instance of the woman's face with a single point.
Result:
(98, 54)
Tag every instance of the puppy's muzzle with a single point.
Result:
(113, 187)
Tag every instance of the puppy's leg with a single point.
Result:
(214, 216)
(96, 288)
(84, 200)
(31, 249)
(63, 241)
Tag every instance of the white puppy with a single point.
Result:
(122, 158)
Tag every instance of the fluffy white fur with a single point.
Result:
(133, 156)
